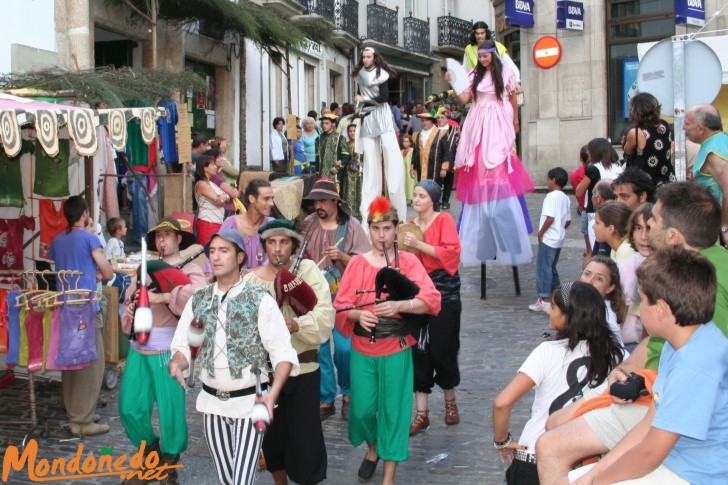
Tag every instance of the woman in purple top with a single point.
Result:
(220, 180)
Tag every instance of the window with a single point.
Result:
(410, 7)
(630, 22)
(448, 7)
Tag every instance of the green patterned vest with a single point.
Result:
(244, 346)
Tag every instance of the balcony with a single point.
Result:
(346, 15)
(285, 8)
(323, 8)
(416, 35)
(453, 34)
(382, 24)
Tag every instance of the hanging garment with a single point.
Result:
(167, 131)
(52, 222)
(3, 322)
(78, 334)
(54, 339)
(23, 350)
(11, 241)
(13, 328)
(136, 149)
(51, 174)
(47, 322)
(11, 182)
(34, 332)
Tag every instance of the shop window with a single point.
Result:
(201, 105)
(630, 22)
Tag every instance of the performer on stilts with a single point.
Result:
(377, 137)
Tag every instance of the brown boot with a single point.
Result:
(421, 422)
(326, 410)
(451, 412)
(171, 478)
(135, 480)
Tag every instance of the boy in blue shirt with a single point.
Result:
(684, 437)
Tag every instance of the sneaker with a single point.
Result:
(540, 306)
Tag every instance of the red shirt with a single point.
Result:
(443, 236)
(360, 274)
(576, 177)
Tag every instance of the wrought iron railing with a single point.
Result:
(324, 8)
(416, 35)
(346, 13)
(452, 31)
(382, 24)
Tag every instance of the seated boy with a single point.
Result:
(684, 436)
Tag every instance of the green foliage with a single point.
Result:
(112, 86)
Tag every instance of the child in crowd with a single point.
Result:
(581, 356)
(682, 439)
(603, 274)
(575, 177)
(555, 218)
(115, 246)
(409, 173)
(301, 163)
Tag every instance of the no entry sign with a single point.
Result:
(546, 52)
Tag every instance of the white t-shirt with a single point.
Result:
(560, 375)
(556, 205)
(612, 323)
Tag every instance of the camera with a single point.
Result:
(631, 389)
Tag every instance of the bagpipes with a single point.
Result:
(163, 278)
(290, 288)
(388, 281)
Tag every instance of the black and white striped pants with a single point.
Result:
(235, 447)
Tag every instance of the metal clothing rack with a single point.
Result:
(33, 421)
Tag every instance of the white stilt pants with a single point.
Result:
(374, 149)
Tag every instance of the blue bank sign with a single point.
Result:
(519, 13)
(690, 12)
(569, 15)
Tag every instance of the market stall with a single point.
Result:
(49, 153)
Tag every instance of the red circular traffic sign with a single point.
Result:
(546, 52)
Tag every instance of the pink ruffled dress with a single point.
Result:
(493, 226)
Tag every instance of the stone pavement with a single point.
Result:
(497, 334)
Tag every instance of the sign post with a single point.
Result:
(546, 52)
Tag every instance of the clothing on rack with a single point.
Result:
(3, 321)
(13, 328)
(11, 241)
(78, 334)
(51, 173)
(166, 127)
(11, 182)
(52, 223)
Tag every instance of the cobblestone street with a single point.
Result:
(497, 334)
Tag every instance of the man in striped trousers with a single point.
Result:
(243, 327)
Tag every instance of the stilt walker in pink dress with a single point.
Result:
(491, 177)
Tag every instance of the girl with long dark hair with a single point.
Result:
(601, 166)
(581, 355)
(377, 137)
(210, 199)
(493, 226)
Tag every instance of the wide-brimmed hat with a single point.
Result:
(323, 189)
(330, 117)
(172, 224)
(426, 116)
(230, 235)
(278, 227)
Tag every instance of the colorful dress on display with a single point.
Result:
(492, 226)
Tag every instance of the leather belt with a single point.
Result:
(225, 395)
(521, 455)
(308, 357)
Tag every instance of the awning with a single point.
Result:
(47, 118)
